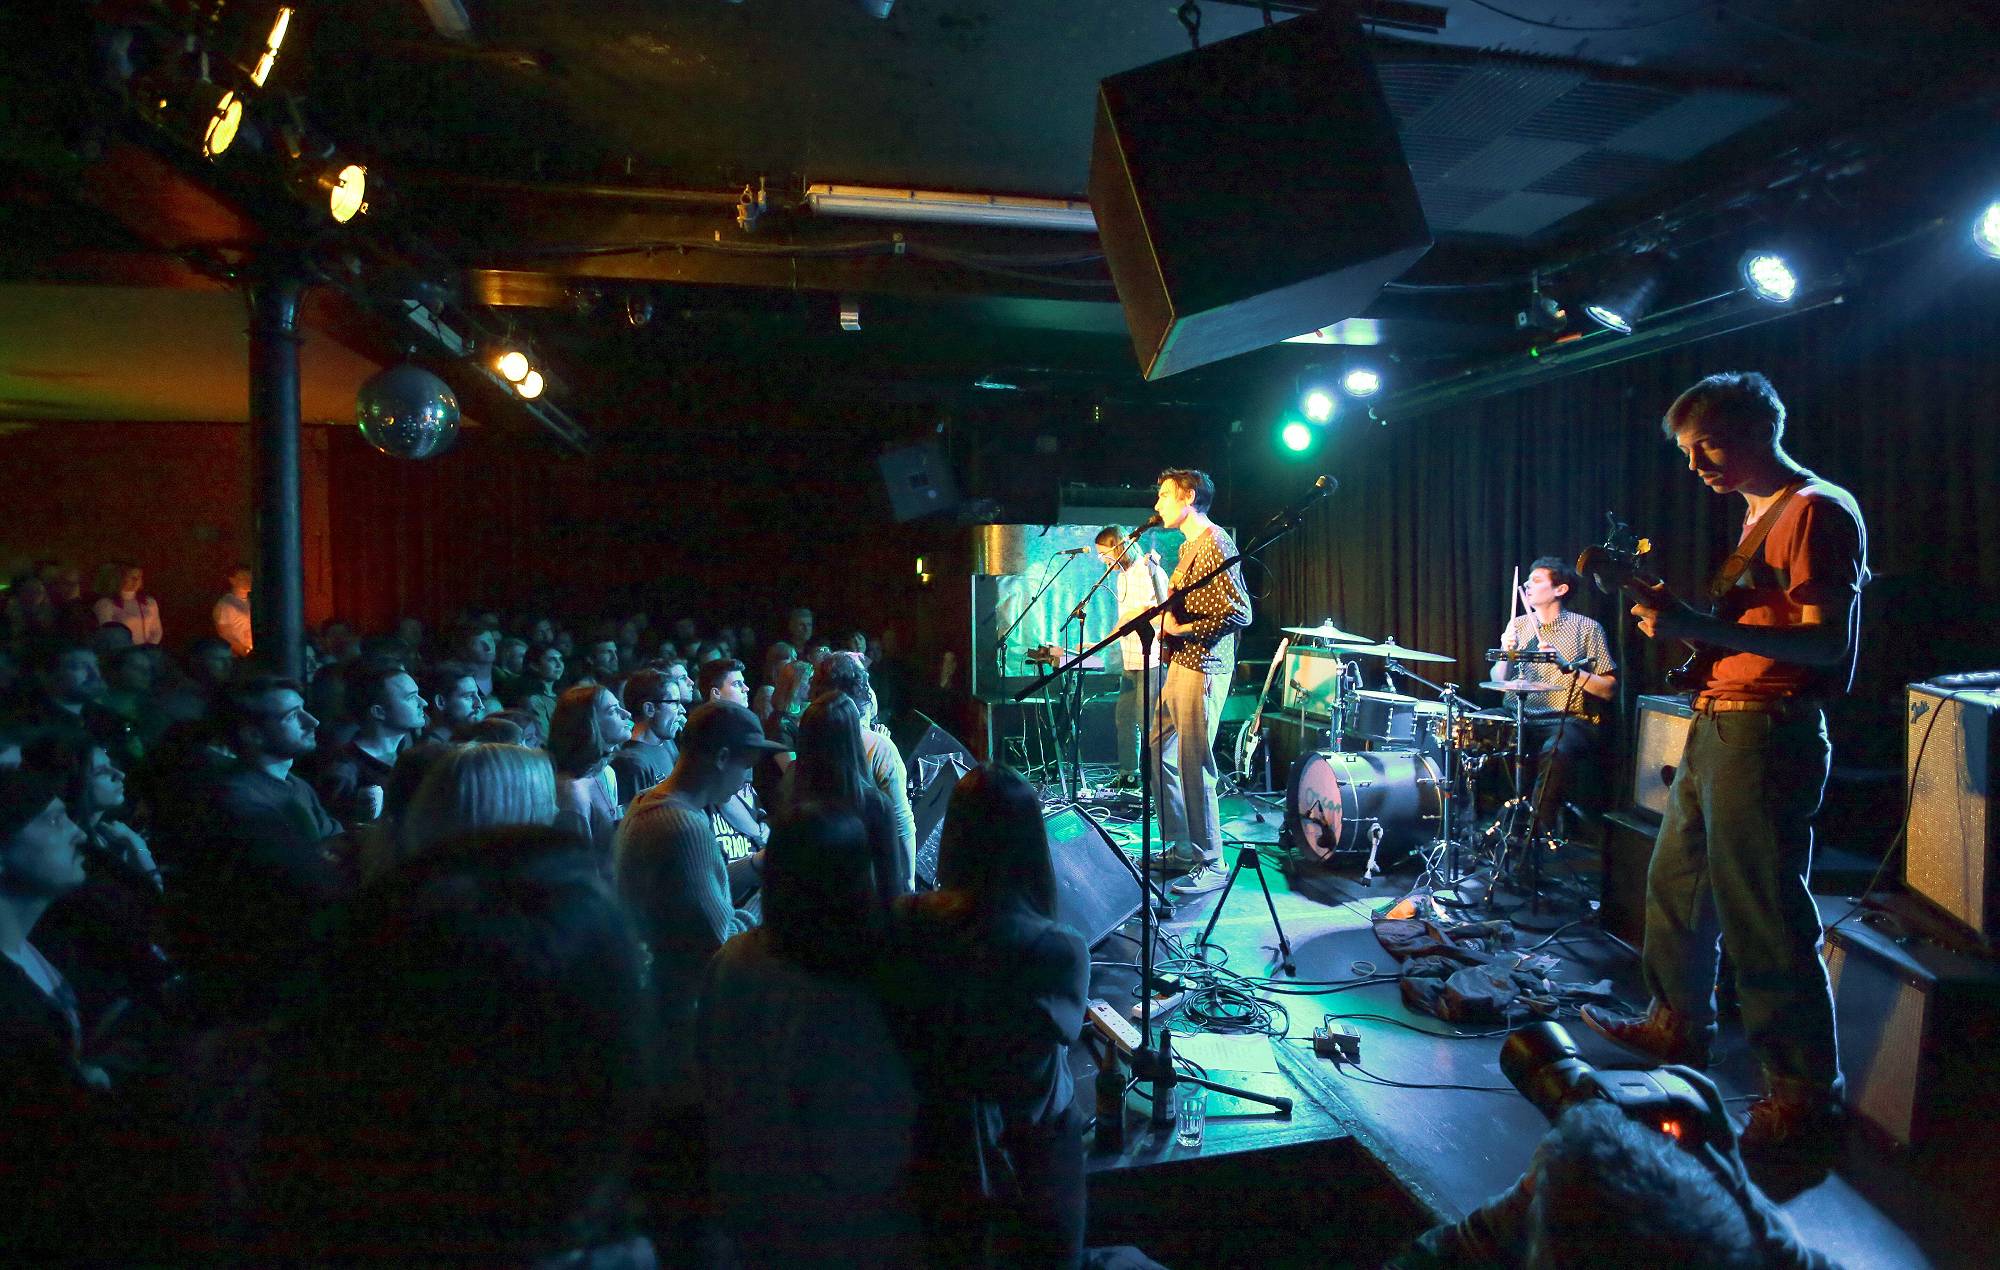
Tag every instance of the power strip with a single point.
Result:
(1162, 1006)
(1110, 1026)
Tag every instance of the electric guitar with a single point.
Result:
(1619, 564)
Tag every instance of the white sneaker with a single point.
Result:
(1200, 880)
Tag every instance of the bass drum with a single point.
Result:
(1385, 801)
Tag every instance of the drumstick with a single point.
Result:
(1514, 604)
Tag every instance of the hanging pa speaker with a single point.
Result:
(919, 481)
(1251, 191)
(1952, 856)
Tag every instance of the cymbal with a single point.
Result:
(1326, 630)
(1517, 685)
(1390, 648)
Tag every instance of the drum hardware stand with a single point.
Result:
(1149, 1063)
(1448, 833)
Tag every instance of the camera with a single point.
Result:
(1542, 1062)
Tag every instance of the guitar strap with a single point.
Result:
(1746, 551)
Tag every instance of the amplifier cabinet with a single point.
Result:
(1951, 859)
(1657, 748)
(1918, 1026)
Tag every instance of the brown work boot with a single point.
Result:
(1659, 1034)
(1797, 1121)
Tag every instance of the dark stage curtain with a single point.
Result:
(1433, 513)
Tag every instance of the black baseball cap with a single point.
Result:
(718, 725)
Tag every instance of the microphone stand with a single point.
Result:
(1074, 744)
(1147, 1062)
(1048, 715)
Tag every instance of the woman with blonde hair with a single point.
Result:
(473, 787)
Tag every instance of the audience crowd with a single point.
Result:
(505, 945)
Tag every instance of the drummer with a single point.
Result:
(1561, 722)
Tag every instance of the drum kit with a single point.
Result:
(1394, 774)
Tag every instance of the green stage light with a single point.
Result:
(1318, 405)
(1295, 437)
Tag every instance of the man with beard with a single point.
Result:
(658, 710)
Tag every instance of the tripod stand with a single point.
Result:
(1248, 854)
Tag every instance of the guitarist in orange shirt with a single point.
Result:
(1734, 850)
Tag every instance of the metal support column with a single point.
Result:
(277, 605)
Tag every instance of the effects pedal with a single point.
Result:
(1340, 1043)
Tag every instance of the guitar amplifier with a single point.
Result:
(1953, 850)
(1918, 1025)
(1656, 750)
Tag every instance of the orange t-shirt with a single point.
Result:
(1815, 554)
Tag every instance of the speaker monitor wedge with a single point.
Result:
(1251, 191)
(1097, 889)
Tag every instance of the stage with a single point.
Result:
(1366, 1160)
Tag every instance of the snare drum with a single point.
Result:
(1384, 719)
(1486, 732)
(1352, 803)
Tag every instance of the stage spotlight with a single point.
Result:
(513, 366)
(223, 123)
(1769, 276)
(1295, 437)
(531, 385)
(1361, 381)
(1626, 295)
(1318, 405)
(272, 43)
(346, 191)
(1986, 230)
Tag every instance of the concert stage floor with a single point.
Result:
(1367, 1159)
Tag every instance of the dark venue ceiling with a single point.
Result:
(566, 168)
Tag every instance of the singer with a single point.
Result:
(1198, 645)
(1561, 722)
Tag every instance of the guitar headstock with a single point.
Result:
(1619, 561)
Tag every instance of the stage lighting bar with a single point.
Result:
(1986, 230)
(878, 203)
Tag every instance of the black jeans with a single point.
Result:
(1561, 744)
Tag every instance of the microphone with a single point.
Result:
(1073, 551)
(1320, 489)
(1152, 522)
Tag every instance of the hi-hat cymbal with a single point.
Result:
(1326, 630)
(1517, 685)
(1390, 648)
